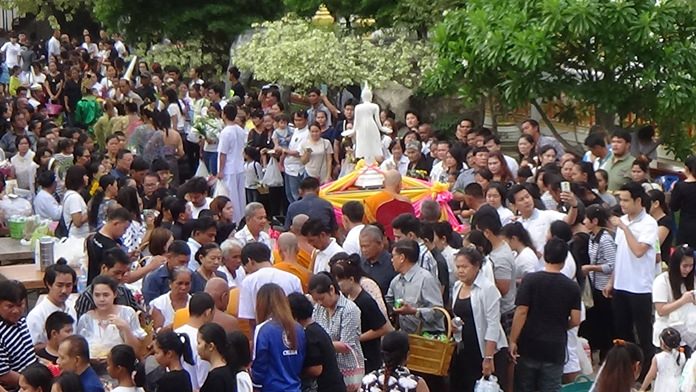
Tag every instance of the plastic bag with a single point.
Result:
(220, 189)
(72, 249)
(272, 177)
(202, 170)
(487, 385)
(15, 206)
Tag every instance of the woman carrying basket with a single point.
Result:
(476, 301)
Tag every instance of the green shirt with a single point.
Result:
(619, 170)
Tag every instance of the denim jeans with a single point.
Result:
(533, 376)
(211, 161)
(292, 187)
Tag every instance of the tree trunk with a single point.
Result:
(494, 113)
(554, 131)
(605, 119)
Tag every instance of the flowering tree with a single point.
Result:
(293, 52)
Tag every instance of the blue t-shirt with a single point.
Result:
(276, 366)
(90, 381)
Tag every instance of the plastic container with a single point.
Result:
(16, 225)
(457, 334)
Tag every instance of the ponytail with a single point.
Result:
(179, 343)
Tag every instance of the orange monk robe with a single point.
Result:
(304, 258)
(301, 273)
(372, 203)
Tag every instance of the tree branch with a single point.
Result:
(554, 131)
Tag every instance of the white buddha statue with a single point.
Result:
(366, 128)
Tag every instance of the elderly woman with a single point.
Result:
(163, 307)
(340, 318)
(673, 296)
(476, 301)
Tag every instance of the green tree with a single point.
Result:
(416, 15)
(215, 23)
(616, 57)
(46, 9)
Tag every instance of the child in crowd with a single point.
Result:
(281, 136)
(123, 366)
(59, 325)
(253, 173)
(170, 348)
(666, 367)
(621, 368)
(15, 82)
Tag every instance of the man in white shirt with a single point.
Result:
(59, 280)
(203, 232)
(12, 49)
(201, 309)
(353, 215)
(293, 164)
(232, 262)
(231, 145)
(537, 222)
(438, 172)
(319, 236)
(634, 271)
(407, 226)
(45, 205)
(256, 221)
(256, 261)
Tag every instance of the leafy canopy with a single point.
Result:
(293, 52)
(617, 56)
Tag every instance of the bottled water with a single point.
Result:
(458, 323)
(81, 280)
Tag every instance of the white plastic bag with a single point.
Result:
(15, 206)
(220, 189)
(272, 177)
(71, 249)
(202, 170)
(489, 385)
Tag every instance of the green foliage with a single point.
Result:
(619, 56)
(46, 9)
(293, 52)
(418, 15)
(214, 23)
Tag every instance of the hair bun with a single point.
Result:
(61, 261)
(619, 342)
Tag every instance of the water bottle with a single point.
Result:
(81, 280)
(458, 323)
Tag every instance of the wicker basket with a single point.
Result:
(431, 356)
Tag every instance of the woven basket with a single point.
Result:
(431, 356)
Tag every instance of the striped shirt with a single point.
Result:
(602, 251)
(16, 347)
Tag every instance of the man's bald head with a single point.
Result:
(297, 222)
(392, 180)
(287, 242)
(218, 289)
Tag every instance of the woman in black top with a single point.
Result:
(373, 324)
(682, 199)
(665, 224)
(214, 348)
(170, 347)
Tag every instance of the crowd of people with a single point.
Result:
(213, 262)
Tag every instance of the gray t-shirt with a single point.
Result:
(504, 268)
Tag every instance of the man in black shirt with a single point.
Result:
(108, 237)
(320, 367)
(548, 304)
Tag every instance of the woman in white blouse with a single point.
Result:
(163, 307)
(109, 324)
(23, 164)
(673, 296)
(398, 160)
(316, 154)
(476, 301)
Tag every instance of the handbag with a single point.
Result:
(353, 377)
